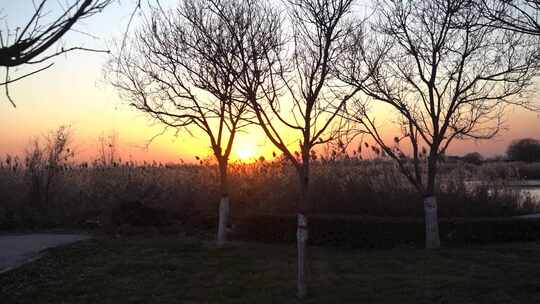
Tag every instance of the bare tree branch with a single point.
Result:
(36, 37)
(519, 15)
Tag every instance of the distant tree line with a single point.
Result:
(526, 149)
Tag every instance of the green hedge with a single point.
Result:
(370, 232)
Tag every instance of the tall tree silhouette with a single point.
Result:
(446, 73)
(289, 84)
(175, 70)
(28, 44)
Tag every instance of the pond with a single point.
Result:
(528, 187)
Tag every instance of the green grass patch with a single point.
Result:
(192, 271)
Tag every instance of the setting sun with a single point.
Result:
(245, 151)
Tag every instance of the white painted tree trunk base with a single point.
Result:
(301, 240)
(224, 210)
(432, 223)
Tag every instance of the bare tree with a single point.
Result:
(175, 71)
(44, 163)
(445, 73)
(108, 150)
(290, 85)
(516, 15)
(28, 43)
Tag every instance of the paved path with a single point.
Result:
(16, 250)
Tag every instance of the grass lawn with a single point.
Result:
(189, 271)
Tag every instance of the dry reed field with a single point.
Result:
(75, 195)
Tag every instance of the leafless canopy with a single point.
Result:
(289, 80)
(446, 72)
(27, 44)
(175, 69)
(517, 15)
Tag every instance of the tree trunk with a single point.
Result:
(432, 223)
(302, 233)
(223, 219)
(301, 240)
(430, 205)
(224, 208)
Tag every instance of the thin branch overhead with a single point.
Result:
(29, 43)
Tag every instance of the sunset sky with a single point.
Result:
(74, 92)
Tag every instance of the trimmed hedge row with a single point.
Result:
(370, 232)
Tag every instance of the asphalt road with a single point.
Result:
(16, 250)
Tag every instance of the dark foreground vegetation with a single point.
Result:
(184, 271)
(82, 196)
(370, 232)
